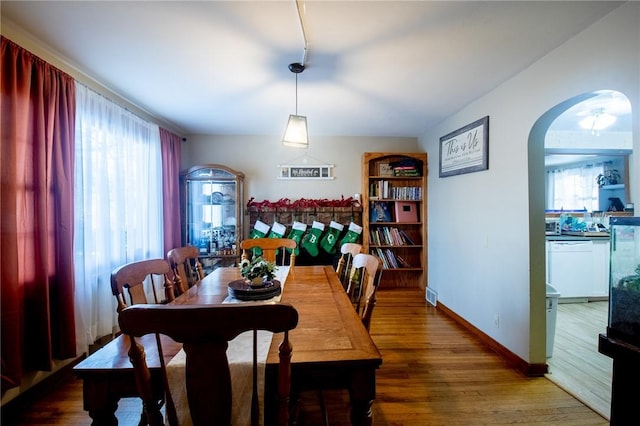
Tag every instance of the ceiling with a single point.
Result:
(373, 68)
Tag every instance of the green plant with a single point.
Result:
(257, 267)
(608, 177)
(631, 282)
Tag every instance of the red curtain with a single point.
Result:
(171, 161)
(36, 214)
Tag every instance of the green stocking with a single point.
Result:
(297, 229)
(312, 238)
(260, 229)
(352, 235)
(277, 231)
(330, 238)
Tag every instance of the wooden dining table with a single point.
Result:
(331, 347)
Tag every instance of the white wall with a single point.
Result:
(483, 262)
(258, 158)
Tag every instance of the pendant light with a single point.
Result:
(295, 134)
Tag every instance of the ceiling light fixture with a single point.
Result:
(296, 134)
(598, 120)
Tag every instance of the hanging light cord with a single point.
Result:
(296, 93)
(304, 37)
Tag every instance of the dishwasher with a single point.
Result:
(571, 269)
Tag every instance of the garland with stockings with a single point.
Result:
(314, 236)
(303, 203)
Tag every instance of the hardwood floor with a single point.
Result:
(576, 364)
(433, 373)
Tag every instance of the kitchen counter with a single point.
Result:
(579, 236)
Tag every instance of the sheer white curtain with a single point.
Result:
(573, 188)
(118, 205)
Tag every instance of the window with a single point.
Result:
(118, 205)
(573, 188)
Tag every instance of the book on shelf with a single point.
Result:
(383, 189)
(403, 263)
(412, 193)
(407, 238)
(407, 167)
(379, 254)
(380, 211)
(389, 259)
(379, 189)
(390, 236)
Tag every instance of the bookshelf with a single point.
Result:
(394, 217)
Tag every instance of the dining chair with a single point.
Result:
(205, 341)
(343, 269)
(363, 291)
(186, 267)
(269, 248)
(127, 282)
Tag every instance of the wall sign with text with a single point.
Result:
(465, 150)
(304, 171)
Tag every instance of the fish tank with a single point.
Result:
(624, 283)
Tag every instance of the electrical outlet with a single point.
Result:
(496, 321)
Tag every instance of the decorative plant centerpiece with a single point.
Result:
(257, 270)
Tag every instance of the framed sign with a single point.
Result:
(466, 150)
(304, 171)
(385, 169)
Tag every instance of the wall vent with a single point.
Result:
(432, 297)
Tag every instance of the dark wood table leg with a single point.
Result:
(362, 391)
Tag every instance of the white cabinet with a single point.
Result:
(579, 270)
(601, 256)
(570, 268)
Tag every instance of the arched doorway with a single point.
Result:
(558, 133)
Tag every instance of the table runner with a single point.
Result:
(240, 356)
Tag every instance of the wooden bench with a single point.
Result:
(107, 375)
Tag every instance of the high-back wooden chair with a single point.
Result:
(343, 269)
(269, 246)
(127, 282)
(205, 341)
(369, 268)
(186, 267)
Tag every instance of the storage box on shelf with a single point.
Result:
(395, 215)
